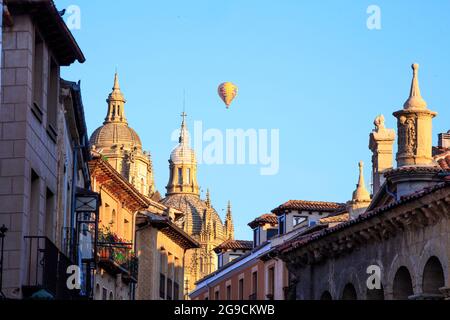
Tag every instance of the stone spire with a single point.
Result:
(414, 128)
(361, 193)
(116, 102)
(381, 144)
(361, 197)
(208, 198)
(183, 165)
(229, 226)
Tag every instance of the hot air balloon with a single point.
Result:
(227, 92)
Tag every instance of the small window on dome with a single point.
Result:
(188, 175)
(180, 176)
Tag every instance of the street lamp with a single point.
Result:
(3, 230)
(86, 209)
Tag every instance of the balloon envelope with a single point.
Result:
(227, 92)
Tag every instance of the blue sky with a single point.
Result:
(311, 69)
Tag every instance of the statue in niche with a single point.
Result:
(410, 135)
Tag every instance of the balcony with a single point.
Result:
(118, 259)
(116, 256)
(46, 271)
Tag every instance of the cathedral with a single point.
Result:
(121, 146)
(201, 221)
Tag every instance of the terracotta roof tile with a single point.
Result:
(264, 219)
(308, 206)
(235, 245)
(336, 218)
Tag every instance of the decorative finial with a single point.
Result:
(116, 81)
(415, 100)
(379, 123)
(183, 130)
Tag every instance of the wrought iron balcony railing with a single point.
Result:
(118, 258)
(46, 271)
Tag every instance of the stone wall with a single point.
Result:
(24, 146)
(411, 249)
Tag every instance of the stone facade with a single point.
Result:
(33, 134)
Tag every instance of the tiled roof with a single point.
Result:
(235, 245)
(302, 205)
(299, 242)
(442, 157)
(336, 218)
(264, 219)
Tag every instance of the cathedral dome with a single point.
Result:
(183, 153)
(115, 134)
(194, 209)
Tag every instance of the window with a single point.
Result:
(229, 292)
(104, 294)
(233, 256)
(142, 186)
(255, 283)
(220, 259)
(169, 289)
(38, 62)
(271, 233)
(35, 197)
(126, 229)
(49, 214)
(176, 291)
(188, 175)
(241, 289)
(113, 218)
(111, 296)
(271, 283)
(52, 100)
(162, 286)
(256, 237)
(281, 224)
(180, 176)
(217, 295)
(298, 220)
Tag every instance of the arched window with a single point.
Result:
(433, 276)
(113, 218)
(180, 176)
(349, 292)
(142, 186)
(326, 296)
(402, 286)
(111, 296)
(188, 176)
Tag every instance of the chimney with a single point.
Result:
(444, 140)
(381, 144)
